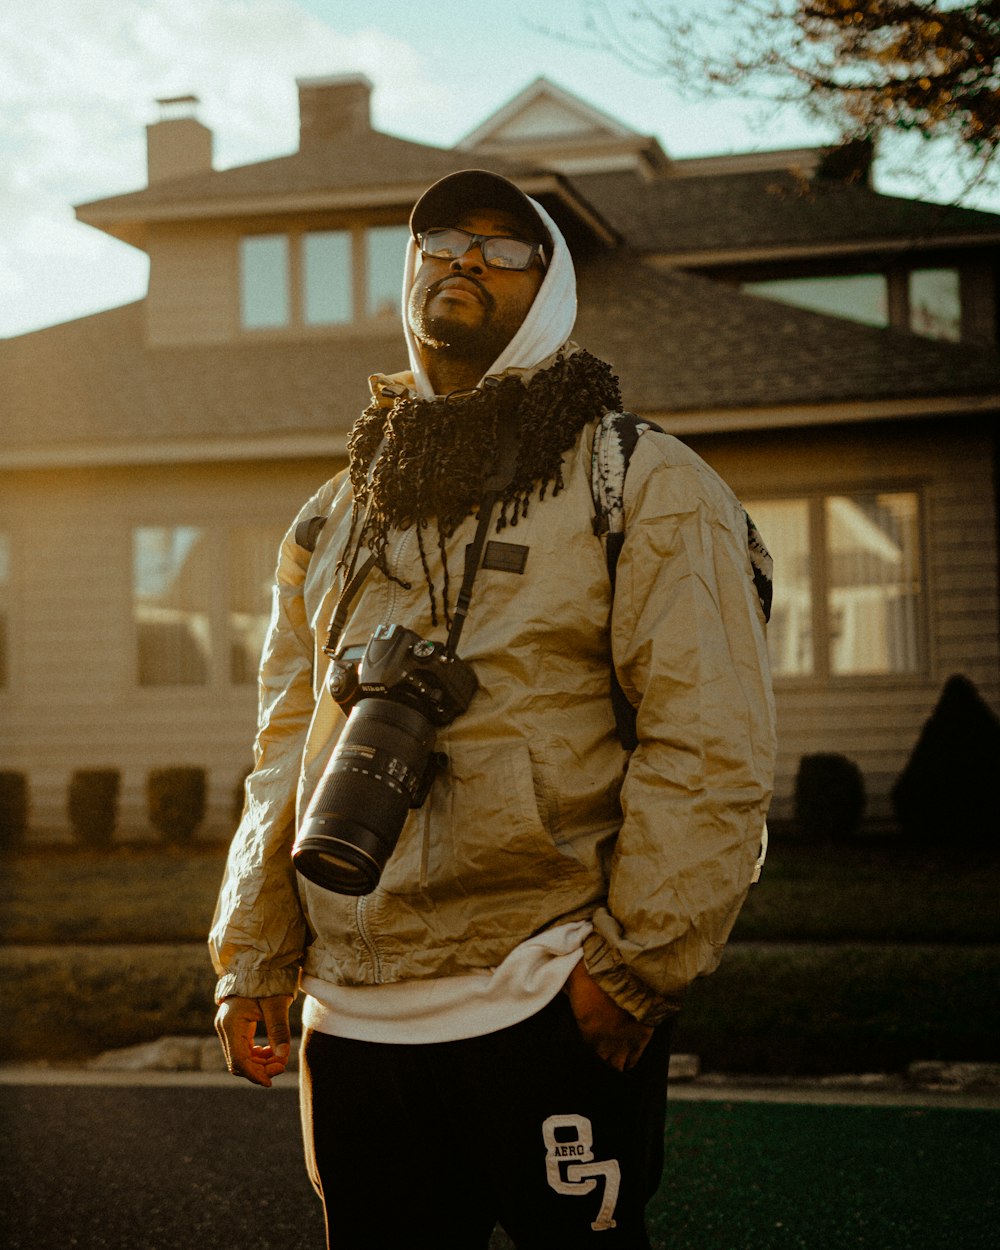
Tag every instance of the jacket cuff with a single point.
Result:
(259, 984)
(617, 981)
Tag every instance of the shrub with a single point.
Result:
(176, 801)
(93, 804)
(829, 796)
(13, 809)
(948, 789)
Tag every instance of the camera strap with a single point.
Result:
(493, 488)
(355, 577)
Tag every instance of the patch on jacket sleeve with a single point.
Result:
(505, 557)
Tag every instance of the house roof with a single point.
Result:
(680, 343)
(356, 172)
(721, 216)
(357, 161)
(683, 343)
(95, 380)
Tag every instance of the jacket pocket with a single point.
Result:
(485, 831)
(498, 836)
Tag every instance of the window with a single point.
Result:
(4, 610)
(936, 304)
(172, 581)
(784, 526)
(860, 297)
(385, 252)
(848, 598)
(326, 273)
(265, 286)
(924, 301)
(310, 278)
(201, 602)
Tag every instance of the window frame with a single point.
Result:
(822, 676)
(297, 326)
(897, 276)
(218, 608)
(7, 623)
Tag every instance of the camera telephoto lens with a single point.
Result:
(356, 814)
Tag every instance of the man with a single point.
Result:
(486, 1031)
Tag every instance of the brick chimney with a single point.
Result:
(333, 107)
(177, 144)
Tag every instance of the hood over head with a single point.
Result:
(550, 318)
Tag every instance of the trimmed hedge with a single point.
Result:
(829, 797)
(780, 1010)
(176, 799)
(814, 1010)
(92, 805)
(68, 1002)
(13, 809)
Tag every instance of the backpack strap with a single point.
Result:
(307, 533)
(615, 439)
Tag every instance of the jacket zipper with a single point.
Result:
(367, 938)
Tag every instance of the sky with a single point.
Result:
(79, 80)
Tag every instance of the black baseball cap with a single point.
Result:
(456, 194)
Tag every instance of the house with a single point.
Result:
(832, 351)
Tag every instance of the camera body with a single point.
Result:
(398, 689)
(398, 664)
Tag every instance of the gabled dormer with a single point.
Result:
(548, 126)
(309, 244)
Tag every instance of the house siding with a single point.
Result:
(193, 287)
(74, 701)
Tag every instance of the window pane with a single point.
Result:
(874, 589)
(4, 608)
(253, 551)
(385, 249)
(264, 298)
(784, 526)
(936, 304)
(326, 262)
(171, 588)
(858, 297)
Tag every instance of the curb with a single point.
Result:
(204, 1054)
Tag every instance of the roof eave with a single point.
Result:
(131, 226)
(837, 412)
(333, 442)
(714, 257)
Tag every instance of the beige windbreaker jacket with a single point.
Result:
(540, 816)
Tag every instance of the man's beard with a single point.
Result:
(480, 343)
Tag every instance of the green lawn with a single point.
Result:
(872, 890)
(125, 895)
(753, 1176)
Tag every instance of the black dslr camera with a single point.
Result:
(399, 689)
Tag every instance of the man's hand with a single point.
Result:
(618, 1038)
(236, 1024)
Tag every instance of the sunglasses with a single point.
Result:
(499, 251)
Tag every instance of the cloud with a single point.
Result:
(78, 80)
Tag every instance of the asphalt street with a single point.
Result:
(164, 1161)
(174, 1168)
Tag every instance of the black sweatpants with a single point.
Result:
(432, 1144)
